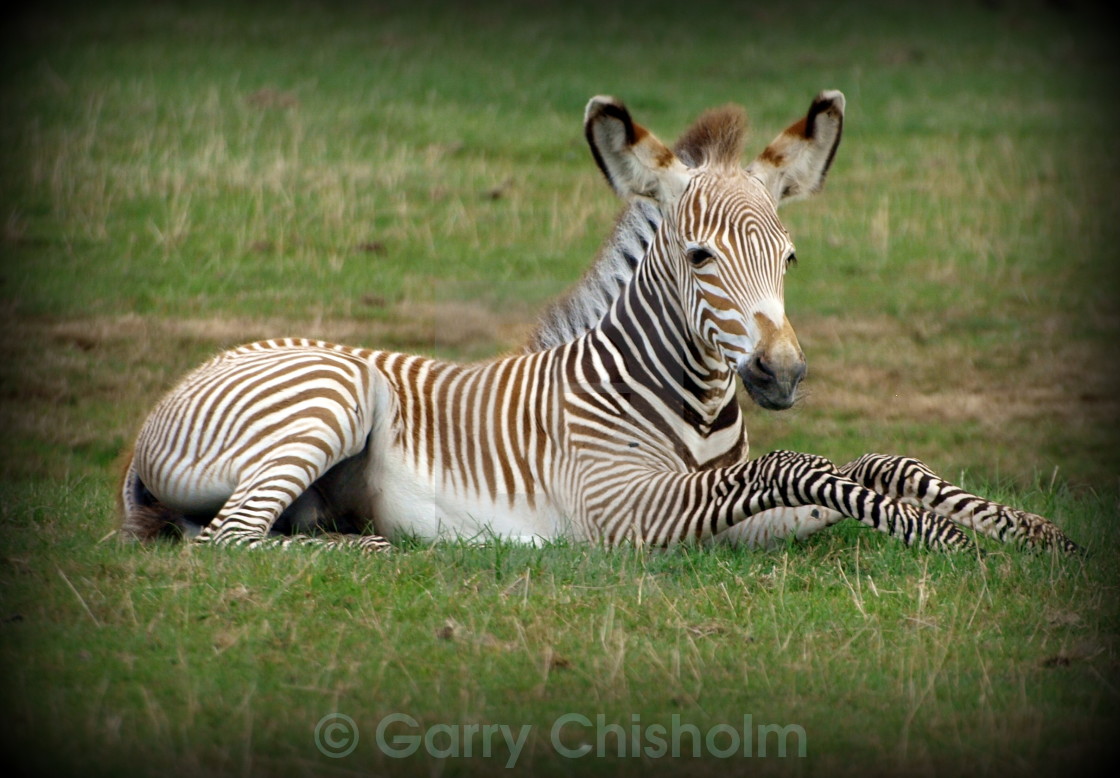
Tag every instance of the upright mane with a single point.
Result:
(716, 138)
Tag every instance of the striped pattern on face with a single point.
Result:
(737, 249)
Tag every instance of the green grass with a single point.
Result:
(179, 659)
(177, 178)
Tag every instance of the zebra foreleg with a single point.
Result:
(789, 479)
(909, 480)
(780, 494)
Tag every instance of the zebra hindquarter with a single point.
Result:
(241, 445)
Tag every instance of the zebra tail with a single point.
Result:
(143, 517)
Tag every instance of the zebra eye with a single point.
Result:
(698, 256)
(791, 260)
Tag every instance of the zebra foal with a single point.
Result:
(629, 432)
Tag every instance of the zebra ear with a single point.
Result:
(795, 164)
(635, 162)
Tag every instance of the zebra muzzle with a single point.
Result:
(772, 383)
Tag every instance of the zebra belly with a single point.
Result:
(414, 503)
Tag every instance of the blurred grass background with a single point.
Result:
(176, 178)
(415, 176)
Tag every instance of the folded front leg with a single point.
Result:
(664, 508)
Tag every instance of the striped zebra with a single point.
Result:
(630, 432)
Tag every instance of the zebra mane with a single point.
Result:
(715, 138)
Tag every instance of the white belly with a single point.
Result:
(420, 504)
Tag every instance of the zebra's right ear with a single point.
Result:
(634, 161)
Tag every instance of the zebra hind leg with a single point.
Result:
(243, 522)
(254, 508)
(910, 480)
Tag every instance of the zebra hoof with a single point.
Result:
(953, 539)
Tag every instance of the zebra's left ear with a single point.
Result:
(634, 161)
(795, 164)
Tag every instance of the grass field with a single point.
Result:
(177, 178)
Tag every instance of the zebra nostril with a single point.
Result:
(762, 367)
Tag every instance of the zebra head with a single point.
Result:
(721, 245)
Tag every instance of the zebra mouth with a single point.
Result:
(770, 400)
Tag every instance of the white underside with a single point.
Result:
(411, 503)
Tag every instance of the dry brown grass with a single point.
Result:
(871, 366)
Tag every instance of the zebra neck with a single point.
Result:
(647, 343)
